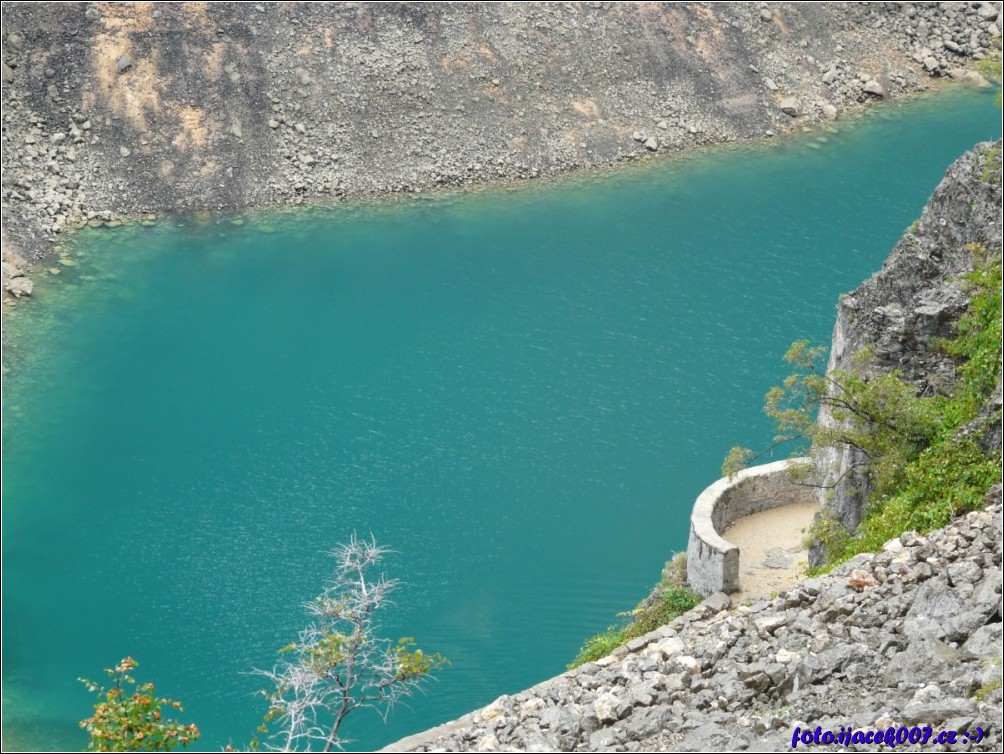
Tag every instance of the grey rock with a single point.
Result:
(975, 78)
(893, 546)
(539, 743)
(959, 724)
(643, 695)
(122, 65)
(789, 106)
(651, 144)
(499, 708)
(937, 711)
(604, 739)
(768, 624)
(689, 664)
(918, 275)
(10, 271)
(987, 12)
(669, 646)
(966, 572)
(910, 539)
(673, 682)
(924, 657)
(785, 656)
(558, 719)
(985, 641)
(8, 74)
(609, 708)
(776, 557)
(648, 722)
(933, 609)
(712, 737)
(717, 602)
(488, 742)
(874, 87)
(987, 594)
(964, 624)
(20, 286)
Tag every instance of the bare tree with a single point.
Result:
(339, 664)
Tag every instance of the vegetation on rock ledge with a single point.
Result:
(923, 460)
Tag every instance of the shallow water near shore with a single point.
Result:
(521, 393)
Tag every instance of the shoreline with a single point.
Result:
(376, 201)
(260, 108)
(42, 275)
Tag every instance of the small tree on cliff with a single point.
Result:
(877, 416)
(339, 664)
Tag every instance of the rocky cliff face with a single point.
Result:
(139, 108)
(915, 299)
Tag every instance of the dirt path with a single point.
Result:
(772, 556)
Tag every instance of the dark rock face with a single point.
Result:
(908, 636)
(137, 108)
(917, 297)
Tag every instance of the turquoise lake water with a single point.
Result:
(520, 392)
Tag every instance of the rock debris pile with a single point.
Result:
(908, 636)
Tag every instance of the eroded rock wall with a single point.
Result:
(130, 108)
(915, 299)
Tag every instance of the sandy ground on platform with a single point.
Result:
(771, 555)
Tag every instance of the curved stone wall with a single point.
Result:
(713, 561)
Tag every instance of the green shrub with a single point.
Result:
(943, 481)
(598, 646)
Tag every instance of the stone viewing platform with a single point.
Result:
(772, 549)
(712, 560)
